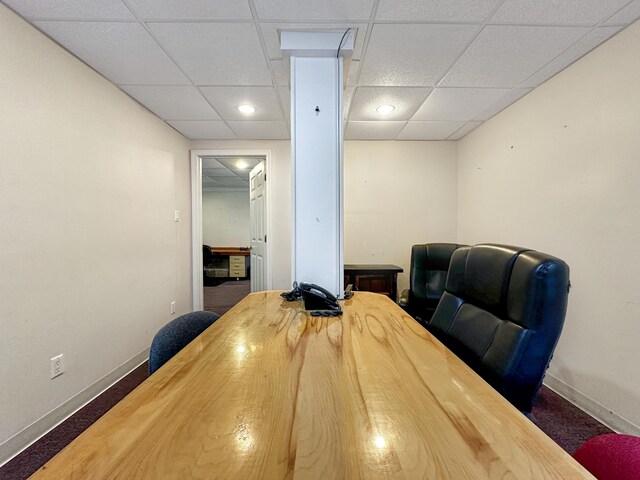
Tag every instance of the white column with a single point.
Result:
(317, 146)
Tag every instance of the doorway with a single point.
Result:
(230, 225)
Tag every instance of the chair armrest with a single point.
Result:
(404, 298)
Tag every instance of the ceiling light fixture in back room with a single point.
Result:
(247, 109)
(385, 109)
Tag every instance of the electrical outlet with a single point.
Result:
(173, 307)
(56, 366)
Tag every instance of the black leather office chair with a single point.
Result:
(207, 255)
(176, 335)
(427, 277)
(502, 313)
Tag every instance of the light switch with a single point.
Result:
(177, 215)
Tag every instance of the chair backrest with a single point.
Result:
(611, 456)
(176, 335)
(207, 255)
(428, 273)
(502, 313)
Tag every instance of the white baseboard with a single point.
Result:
(601, 413)
(23, 439)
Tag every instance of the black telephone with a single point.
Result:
(316, 298)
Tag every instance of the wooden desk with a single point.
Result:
(231, 251)
(270, 392)
(234, 261)
(373, 278)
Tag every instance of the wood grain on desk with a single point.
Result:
(271, 392)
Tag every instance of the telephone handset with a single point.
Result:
(317, 299)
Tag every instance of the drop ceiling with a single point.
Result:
(446, 65)
(227, 173)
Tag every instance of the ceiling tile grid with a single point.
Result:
(502, 56)
(405, 100)
(256, 130)
(556, 12)
(429, 130)
(203, 129)
(227, 99)
(173, 102)
(215, 53)
(412, 55)
(125, 53)
(445, 65)
(71, 9)
(190, 10)
(379, 130)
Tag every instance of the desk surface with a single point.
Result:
(355, 267)
(271, 392)
(244, 251)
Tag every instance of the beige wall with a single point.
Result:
(225, 219)
(559, 171)
(391, 193)
(89, 251)
(397, 194)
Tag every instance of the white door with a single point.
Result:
(258, 204)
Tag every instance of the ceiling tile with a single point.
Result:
(215, 53)
(227, 99)
(305, 10)
(594, 38)
(510, 97)
(225, 182)
(627, 15)
(428, 130)
(211, 163)
(354, 70)
(203, 129)
(406, 101)
(123, 52)
(556, 12)
(173, 102)
(280, 71)
(191, 10)
(414, 55)
(268, 130)
(373, 130)
(504, 56)
(436, 10)
(347, 97)
(272, 37)
(468, 128)
(285, 97)
(71, 9)
(458, 104)
(217, 172)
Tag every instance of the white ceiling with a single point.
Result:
(227, 173)
(446, 65)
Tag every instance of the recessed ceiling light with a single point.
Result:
(242, 165)
(247, 109)
(385, 109)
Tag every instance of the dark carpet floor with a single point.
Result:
(567, 425)
(223, 297)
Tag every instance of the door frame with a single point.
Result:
(196, 215)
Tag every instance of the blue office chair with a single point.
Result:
(176, 335)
